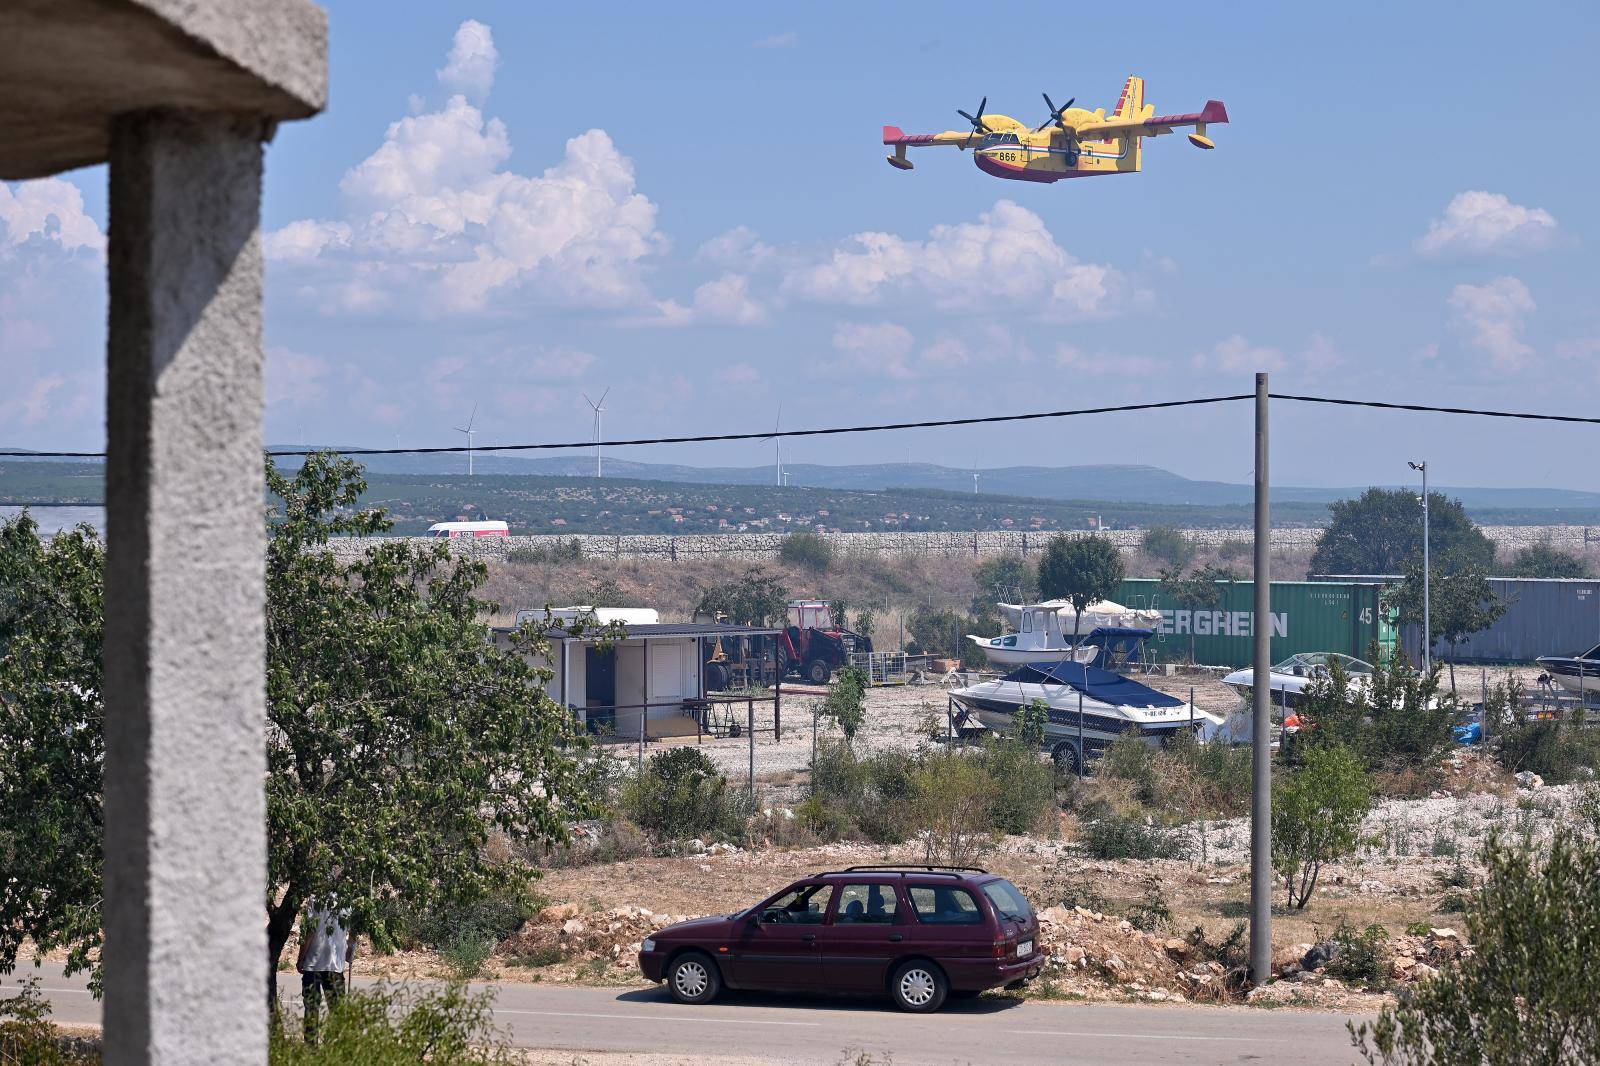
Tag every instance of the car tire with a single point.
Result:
(693, 978)
(817, 672)
(1066, 757)
(918, 986)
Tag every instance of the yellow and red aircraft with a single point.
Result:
(1071, 143)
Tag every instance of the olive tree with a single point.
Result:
(1316, 817)
(400, 738)
(1083, 570)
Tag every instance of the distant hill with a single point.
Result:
(1106, 482)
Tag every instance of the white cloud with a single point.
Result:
(777, 40)
(740, 248)
(876, 348)
(1236, 355)
(725, 301)
(294, 379)
(50, 209)
(1481, 223)
(1490, 317)
(1006, 255)
(472, 61)
(739, 375)
(435, 223)
(1104, 364)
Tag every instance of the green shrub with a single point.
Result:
(936, 631)
(1234, 549)
(1400, 721)
(871, 796)
(952, 809)
(1557, 751)
(1362, 955)
(391, 1026)
(846, 702)
(1525, 994)
(564, 551)
(828, 819)
(1168, 545)
(27, 1038)
(810, 550)
(1022, 784)
(1214, 776)
(1316, 817)
(681, 794)
(1109, 835)
(1151, 913)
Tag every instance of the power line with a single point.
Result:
(765, 435)
(890, 426)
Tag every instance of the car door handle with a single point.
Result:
(895, 938)
(809, 937)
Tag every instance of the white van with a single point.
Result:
(469, 529)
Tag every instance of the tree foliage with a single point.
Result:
(400, 736)
(1395, 719)
(1525, 993)
(810, 550)
(1316, 817)
(939, 631)
(1083, 570)
(1200, 589)
(1459, 604)
(1380, 532)
(846, 701)
(754, 598)
(1168, 545)
(1006, 578)
(1546, 560)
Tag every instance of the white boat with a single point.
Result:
(1082, 703)
(1288, 679)
(1049, 632)
(1578, 674)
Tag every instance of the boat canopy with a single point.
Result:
(1094, 683)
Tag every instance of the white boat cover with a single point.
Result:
(1102, 614)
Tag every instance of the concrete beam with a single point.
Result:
(185, 864)
(67, 67)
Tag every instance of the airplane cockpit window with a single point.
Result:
(998, 140)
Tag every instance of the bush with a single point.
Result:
(464, 932)
(1316, 817)
(810, 550)
(1558, 751)
(681, 794)
(1360, 955)
(754, 599)
(845, 703)
(27, 1038)
(1168, 545)
(872, 796)
(1525, 993)
(1401, 720)
(565, 551)
(1234, 549)
(390, 1026)
(1022, 784)
(1545, 560)
(1002, 578)
(1109, 835)
(936, 631)
(952, 807)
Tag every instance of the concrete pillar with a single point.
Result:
(185, 863)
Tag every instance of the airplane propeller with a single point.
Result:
(978, 125)
(1055, 113)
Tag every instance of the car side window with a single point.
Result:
(945, 905)
(866, 905)
(803, 906)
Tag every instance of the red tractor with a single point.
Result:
(812, 646)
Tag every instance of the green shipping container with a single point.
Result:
(1306, 616)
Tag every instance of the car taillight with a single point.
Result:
(1002, 948)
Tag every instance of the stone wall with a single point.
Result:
(759, 546)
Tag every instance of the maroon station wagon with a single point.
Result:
(918, 933)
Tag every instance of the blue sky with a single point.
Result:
(508, 204)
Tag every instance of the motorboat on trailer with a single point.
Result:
(1082, 701)
(1049, 632)
(1578, 674)
(1288, 679)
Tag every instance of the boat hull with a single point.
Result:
(1101, 723)
(1581, 677)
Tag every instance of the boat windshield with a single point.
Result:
(1593, 653)
(1315, 663)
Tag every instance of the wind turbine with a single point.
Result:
(467, 429)
(974, 477)
(599, 409)
(777, 442)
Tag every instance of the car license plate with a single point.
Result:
(1024, 947)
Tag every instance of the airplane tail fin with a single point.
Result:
(1131, 103)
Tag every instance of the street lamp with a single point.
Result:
(1427, 573)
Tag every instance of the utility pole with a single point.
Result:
(1427, 574)
(1261, 734)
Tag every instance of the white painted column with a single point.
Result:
(185, 866)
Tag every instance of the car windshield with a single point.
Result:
(1007, 900)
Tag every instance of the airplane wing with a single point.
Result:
(1155, 125)
(894, 135)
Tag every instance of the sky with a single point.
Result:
(508, 205)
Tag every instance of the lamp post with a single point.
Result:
(1427, 573)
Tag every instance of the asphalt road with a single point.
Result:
(784, 1029)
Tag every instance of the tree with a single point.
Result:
(1083, 570)
(1380, 532)
(755, 598)
(810, 550)
(1525, 993)
(938, 631)
(400, 737)
(1396, 719)
(845, 702)
(1169, 545)
(1546, 560)
(1460, 604)
(1005, 578)
(838, 610)
(1316, 817)
(1200, 590)
(866, 621)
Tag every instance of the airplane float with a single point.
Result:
(1071, 143)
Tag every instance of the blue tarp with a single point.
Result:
(1094, 683)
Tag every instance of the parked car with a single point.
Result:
(915, 933)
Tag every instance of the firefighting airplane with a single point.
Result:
(1071, 143)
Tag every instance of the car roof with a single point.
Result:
(911, 874)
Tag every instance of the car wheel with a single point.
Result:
(817, 672)
(919, 987)
(693, 978)
(1065, 755)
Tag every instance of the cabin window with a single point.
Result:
(1027, 621)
